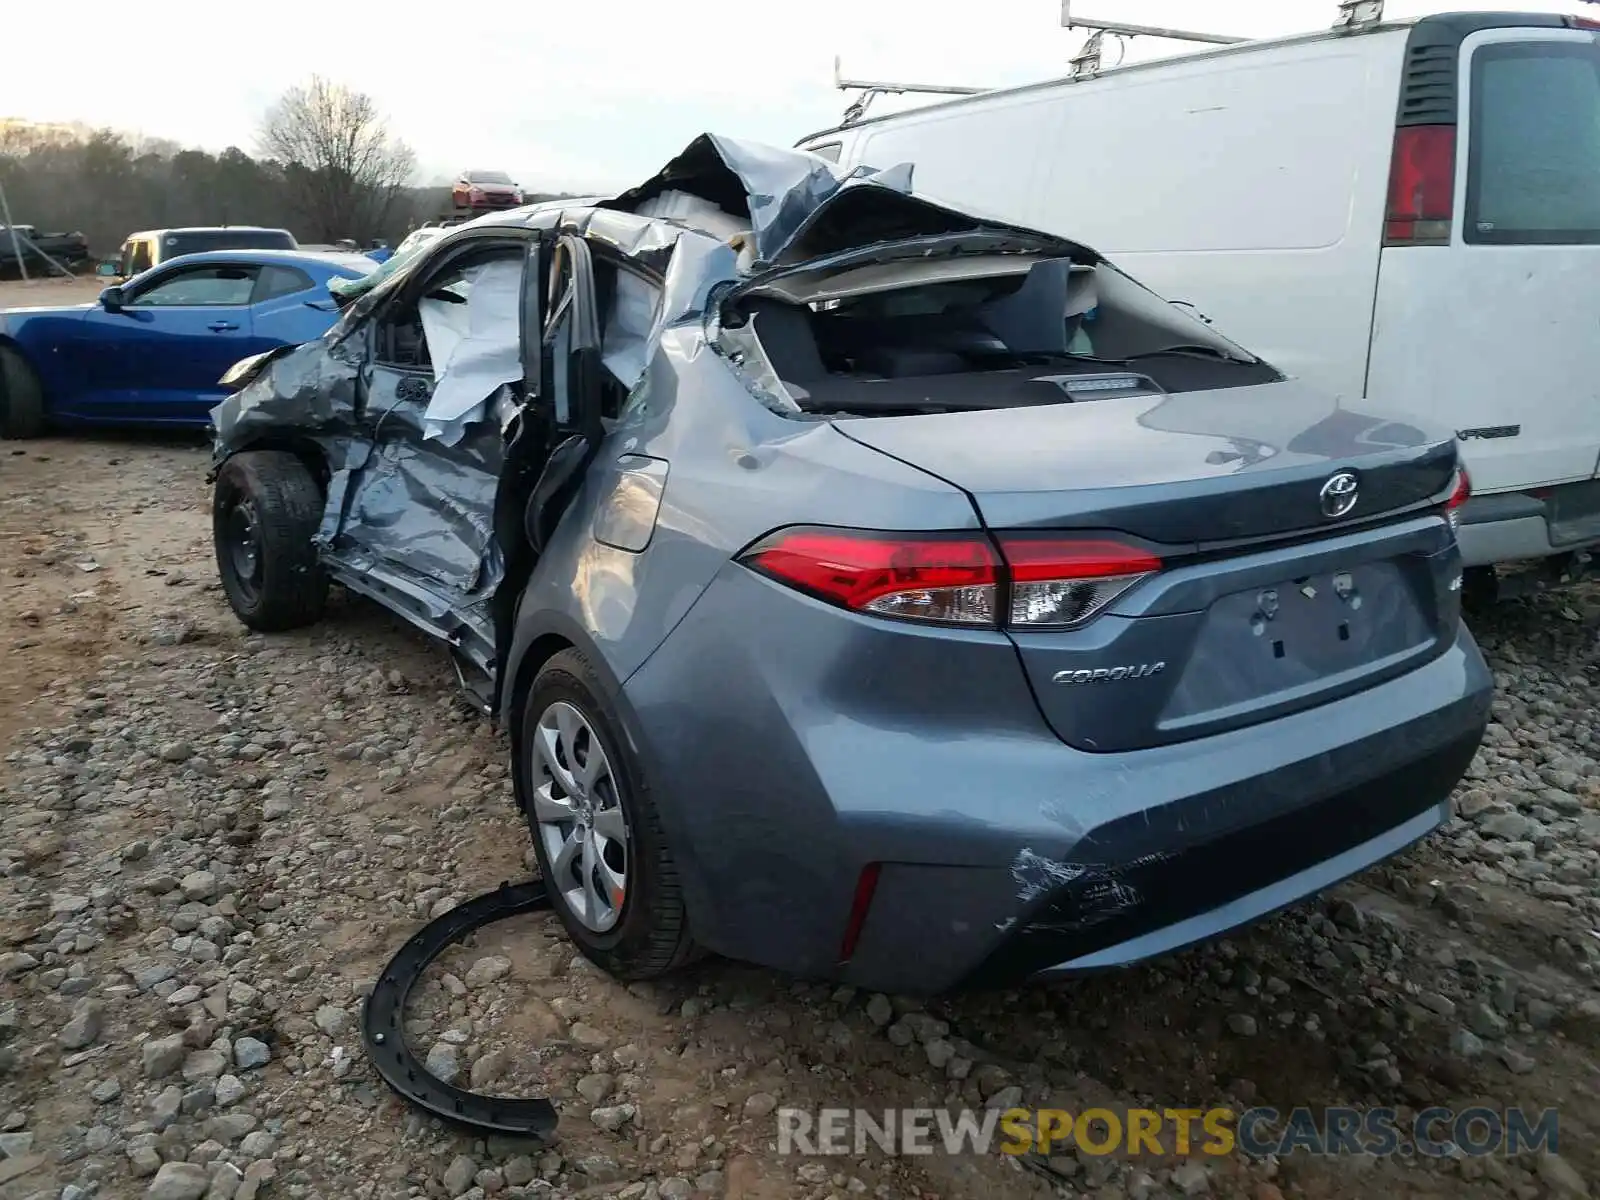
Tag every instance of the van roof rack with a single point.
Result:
(1352, 14)
(871, 89)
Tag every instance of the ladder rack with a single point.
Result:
(1352, 14)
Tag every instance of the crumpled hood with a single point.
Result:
(802, 206)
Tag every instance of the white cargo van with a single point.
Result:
(1405, 211)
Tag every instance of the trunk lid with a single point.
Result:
(1189, 469)
(1264, 603)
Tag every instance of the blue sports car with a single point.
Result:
(151, 351)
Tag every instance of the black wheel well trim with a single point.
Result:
(383, 1023)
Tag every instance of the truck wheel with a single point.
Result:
(596, 833)
(21, 397)
(264, 512)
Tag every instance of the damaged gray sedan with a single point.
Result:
(871, 589)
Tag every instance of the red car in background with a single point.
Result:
(485, 191)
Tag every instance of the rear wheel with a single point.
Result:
(21, 397)
(596, 832)
(264, 512)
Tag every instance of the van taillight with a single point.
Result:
(1460, 493)
(1583, 23)
(1422, 186)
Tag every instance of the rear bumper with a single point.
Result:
(1508, 527)
(775, 735)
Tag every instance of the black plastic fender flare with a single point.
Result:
(383, 1022)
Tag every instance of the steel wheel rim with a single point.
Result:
(244, 548)
(578, 818)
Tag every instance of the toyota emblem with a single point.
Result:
(1339, 494)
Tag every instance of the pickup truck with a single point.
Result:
(68, 249)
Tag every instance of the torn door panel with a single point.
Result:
(425, 507)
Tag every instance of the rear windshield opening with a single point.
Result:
(1001, 334)
(1533, 173)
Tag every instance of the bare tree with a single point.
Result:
(343, 171)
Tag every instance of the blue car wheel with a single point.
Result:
(21, 397)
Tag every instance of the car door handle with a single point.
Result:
(221, 326)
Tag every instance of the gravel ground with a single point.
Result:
(211, 841)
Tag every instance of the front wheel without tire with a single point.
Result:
(596, 832)
(264, 513)
(21, 397)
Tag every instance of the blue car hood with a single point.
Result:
(801, 206)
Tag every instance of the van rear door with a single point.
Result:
(1488, 303)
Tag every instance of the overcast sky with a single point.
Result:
(594, 103)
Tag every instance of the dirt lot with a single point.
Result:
(38, 292)
(210, 842)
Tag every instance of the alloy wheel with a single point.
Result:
(579, 818)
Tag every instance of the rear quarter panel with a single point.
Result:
(290, 320)
(735, 471)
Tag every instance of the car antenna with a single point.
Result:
(870, 89)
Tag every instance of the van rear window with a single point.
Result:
(1533, 167)
(174, 244)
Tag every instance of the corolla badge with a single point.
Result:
(1110, 674)
(1339, 494)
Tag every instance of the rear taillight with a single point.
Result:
(1031, 581)
(1583, 23)
(1062, 581)
(1422, 186)
(1460, 493)
(945, 578)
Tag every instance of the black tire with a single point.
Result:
(21, 397)
(651, 936)
(265, 510)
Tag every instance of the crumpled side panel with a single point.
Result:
(424, 507)
(311, 389)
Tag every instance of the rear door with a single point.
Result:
(444, 380)
(1486, 313)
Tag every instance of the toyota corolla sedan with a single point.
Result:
(150, 351)
(871, 589)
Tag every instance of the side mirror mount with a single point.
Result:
(111, 299)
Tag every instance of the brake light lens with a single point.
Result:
(1031, 581)
(1062, 582)
(1422, 186)
(1460, 493)
(1583, 23)
(942, 578)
